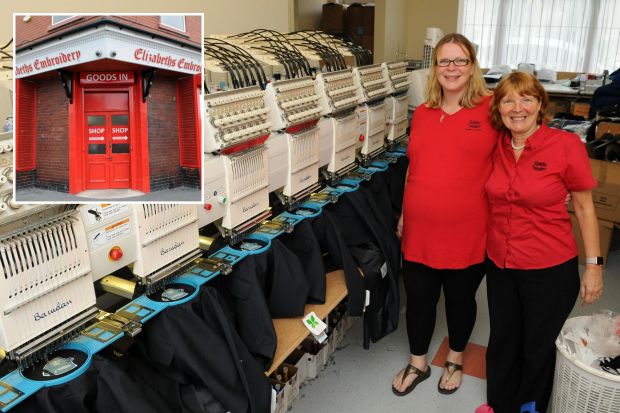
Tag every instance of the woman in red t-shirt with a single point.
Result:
(445, 210)
(533, 275)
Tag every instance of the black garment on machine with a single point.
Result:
(196, 344)
(330, 234)
(370, 233)
(606, 96)
(104, 387)
(303, 243)
(248, 307)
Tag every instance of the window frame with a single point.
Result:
(169, 26)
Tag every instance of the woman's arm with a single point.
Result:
(399, 226)
(592, 280)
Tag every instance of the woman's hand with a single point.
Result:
(591, 284)
(399, 227)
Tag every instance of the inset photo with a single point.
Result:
(107, 108)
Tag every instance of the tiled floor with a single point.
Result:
(358, 380)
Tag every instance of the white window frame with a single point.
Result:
(65, 17)
(184, 29)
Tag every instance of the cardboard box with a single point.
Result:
(606, 195)
(292, 383)
(298, 359)
(607, 127)
(316, 355)
(280, 403)
(580, 109)
(605, 229)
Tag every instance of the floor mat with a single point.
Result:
(474, 359)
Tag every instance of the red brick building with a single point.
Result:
(108, 102)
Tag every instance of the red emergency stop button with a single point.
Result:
(361, 138)
(208, 207)
(116, 253)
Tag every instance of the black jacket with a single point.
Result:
(195, 344)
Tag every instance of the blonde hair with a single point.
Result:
(475, 89)
(523, 84)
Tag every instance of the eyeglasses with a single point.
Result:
(459, 61)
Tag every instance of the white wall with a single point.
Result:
(307, 15)
(428, 13)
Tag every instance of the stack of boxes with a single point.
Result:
(307, 361)
(606, 196)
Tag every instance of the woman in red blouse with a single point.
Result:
(445, 210)
(532, 275)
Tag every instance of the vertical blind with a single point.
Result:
(563, 35)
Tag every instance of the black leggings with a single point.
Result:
(527, 309)
(423, 285)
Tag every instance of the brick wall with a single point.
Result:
(163, 134)
(52, 163)
(25, 180)
(190, 177)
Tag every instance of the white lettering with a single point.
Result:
(96, 130)
(120, 130)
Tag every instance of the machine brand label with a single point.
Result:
(247, 208)
(59, 306)
(176, 245)
(305, 178)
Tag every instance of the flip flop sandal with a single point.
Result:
(410, 369)
(452, 368)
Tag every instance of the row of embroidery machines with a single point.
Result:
(304, 140)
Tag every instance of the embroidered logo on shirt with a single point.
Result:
(474, 125)
(539, 166)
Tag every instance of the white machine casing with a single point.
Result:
(417, 89)
(292, 102)
(234, 117)
(166, 232)
(371, 82)
(109, 227)
(370, 128)
(397, 103)
(337, 91)
(303, 160)
(338, 135)
(45, 277)
(215, 194)
(247, 186)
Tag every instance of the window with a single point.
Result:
(563, 35)
(60, 18)
(174, 21)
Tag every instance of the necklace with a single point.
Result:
(443, 115)
(516, 148)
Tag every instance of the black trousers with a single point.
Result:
(527, 309)
(423, 286)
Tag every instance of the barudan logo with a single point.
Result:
(59, 306)
(176, 245)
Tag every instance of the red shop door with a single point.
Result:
(108, 140)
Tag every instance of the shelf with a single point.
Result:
(290, 332)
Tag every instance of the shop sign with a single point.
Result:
(156, 58)
(96, 134)
(106, 78)
(49, 62)
(120, 133)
